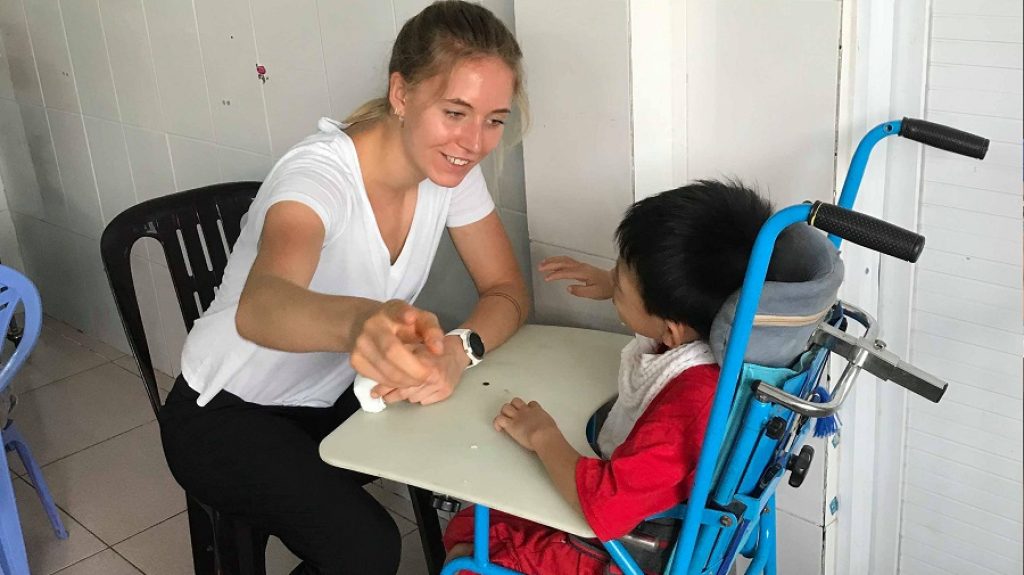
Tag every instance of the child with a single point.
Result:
(681, 254)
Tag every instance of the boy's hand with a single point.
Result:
(526, 423)
(595, 283)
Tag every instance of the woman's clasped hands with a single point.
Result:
(404, 350)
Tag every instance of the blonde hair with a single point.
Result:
(439, 37)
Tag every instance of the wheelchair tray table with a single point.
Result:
(452, 448)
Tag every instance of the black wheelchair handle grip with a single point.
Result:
(867, 231)
(944, 138)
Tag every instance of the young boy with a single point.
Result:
(681, 254)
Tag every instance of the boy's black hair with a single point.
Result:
(689, 248)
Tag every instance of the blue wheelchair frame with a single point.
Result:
(739, 513)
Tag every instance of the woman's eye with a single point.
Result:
(497, 122)
(453, 114)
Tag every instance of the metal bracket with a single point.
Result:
(863, 353)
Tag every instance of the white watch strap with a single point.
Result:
(463, 334)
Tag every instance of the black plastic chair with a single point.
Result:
(184, 223)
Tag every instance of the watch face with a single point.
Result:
(476, 344)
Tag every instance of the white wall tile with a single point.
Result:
(179, 64)
(554, 305)
(288, 35)
(229, 54)
(799, 545)
(296, 99)
(150, 162)
(50, 46)
(111, 165)
(357, 60)
(95, 300)
(50, 263)
(131, 60)
(145, 291)
(406, 9)
(88, 49)
(14, 29)
(504, 10)
(44, 159)
(578, 156)
(449, 292)
(10, 251)
(194, 163)
(516, 227)
(240, 166)
(6, 86)
(19, 177)
(84, 214)
(510, 178)
(761, 100)
(172, 323)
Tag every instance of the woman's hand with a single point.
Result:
(527, 423)
(450, 365)
(395, 344)
(595, 283)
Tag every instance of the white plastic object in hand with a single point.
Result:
(362, 387)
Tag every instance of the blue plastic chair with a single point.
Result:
(761, 415)
(14, 289)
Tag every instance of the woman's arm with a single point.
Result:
(504, 304)
(278, 310)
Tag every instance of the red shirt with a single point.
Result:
(653, 468)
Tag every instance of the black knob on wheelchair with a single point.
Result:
(442, 502)
(775, 428)
(799, 464)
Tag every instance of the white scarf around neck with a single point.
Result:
(642, 375)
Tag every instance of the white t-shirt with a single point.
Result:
(323, 173)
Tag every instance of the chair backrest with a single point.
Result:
(197, 230)
(15, 288)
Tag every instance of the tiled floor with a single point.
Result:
(84, 413)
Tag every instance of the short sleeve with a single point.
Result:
(470, 200)
(318, 179)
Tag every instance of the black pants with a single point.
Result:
(262, 464)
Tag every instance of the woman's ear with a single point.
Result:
(678, 333)
(398, 91)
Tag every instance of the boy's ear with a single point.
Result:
(678, 333)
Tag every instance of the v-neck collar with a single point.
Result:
(371, 221)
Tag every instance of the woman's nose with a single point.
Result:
(471, 138)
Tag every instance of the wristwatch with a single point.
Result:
(471, 343)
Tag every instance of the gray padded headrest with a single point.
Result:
(804, 279)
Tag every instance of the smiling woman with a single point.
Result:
(321, 283)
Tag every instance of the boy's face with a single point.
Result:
(630, 305)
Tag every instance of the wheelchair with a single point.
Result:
(773, 339)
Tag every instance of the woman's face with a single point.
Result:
(450, 127)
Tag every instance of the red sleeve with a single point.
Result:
(653, 468)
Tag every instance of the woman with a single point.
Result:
(338, 243)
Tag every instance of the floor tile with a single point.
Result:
(106, 350)
(280, 561)
(413, 562)
(163, 381)
(120, 487)
(104, 563)
(71, 414)
(163, 549)
(55, 357)
(46, 553)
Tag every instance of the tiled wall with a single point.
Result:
(104, 103)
